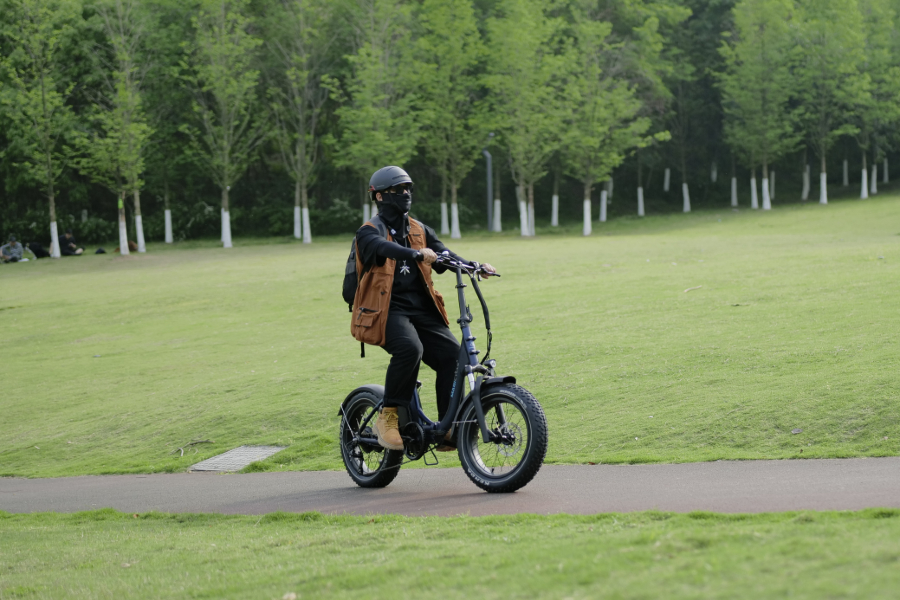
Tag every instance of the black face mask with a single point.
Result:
(396, 205)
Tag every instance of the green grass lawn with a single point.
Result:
(105, 554)
(111, 363)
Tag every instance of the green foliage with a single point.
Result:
(35, 99)
(377, 113)
(113, 155)
(757, 83)
(448, 55)
(524, 77)
(827, 77)
(602, 121)
(219, 66)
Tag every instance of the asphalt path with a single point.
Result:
(723, 486)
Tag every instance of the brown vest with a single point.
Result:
(373, 294)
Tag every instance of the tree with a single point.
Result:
(300, 46)
(220, 68)
(879, 110)
(756, 85)
(524, 78)
(114, 155)
(602, 108)
(448, 54)
(379, 123)
(37, 95)
(827, 80)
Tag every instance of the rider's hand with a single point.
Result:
(488, 270)
(428, 255)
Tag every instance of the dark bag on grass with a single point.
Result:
(351, 277)
(37, 249)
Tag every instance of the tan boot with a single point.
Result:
(386, 428)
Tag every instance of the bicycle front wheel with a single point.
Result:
(517, 420)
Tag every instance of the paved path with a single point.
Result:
(746, 486)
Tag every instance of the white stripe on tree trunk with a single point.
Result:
(54, 240)
(603, 199)
(754, 199)
(298, 227)
(226, 230)
(168, 219)
(445, 220)
(734, 201)
(666, 178)
(640, 201)
(307, 233)
(454, 221)
(766, 199)
(687, 197)
(139, 229)
(823, 188)
(587, 217)
(498, 225)
(554, 211)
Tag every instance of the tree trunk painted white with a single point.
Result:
(139, 229)
(609, 187)
(307, 232)
(554, 211)
(531, 227)
(640, 201)
(713, 172)
(498, 225)
(771, 185)
(804, 195)
(54, 240)
(846, 173)
(666, 179)
(445, 220)
(222, 227)
(373, 210)
(83, 215)
(873, 181)
(687, 197)
(754, 199)
(885, 174)
(823, 188)
(298, 226)
(523, 218)
(454, 221)
(603, 200)
(168, 219)
(766, 199)
(734, 192)
(864, 187)
(366, 212)
(587, 217)
(227, 231)
(123, 234)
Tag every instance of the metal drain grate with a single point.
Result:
(237, 459)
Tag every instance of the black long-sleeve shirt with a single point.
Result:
(408, 294)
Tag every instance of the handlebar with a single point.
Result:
(472, 269)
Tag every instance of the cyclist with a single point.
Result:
(401, 310)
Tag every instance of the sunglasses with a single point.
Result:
(400, 188)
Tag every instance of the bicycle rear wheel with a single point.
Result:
(369, 465)
(518, 420)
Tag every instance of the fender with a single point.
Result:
(373, 388)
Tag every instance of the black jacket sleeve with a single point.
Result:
(375, 249)
(432, 241)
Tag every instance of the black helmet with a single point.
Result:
(386, 177)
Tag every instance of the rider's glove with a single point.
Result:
(426, 255)
(488, 269)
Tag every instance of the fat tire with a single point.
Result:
(354, 410)
(470, 433)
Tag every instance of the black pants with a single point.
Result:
(411, 340)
